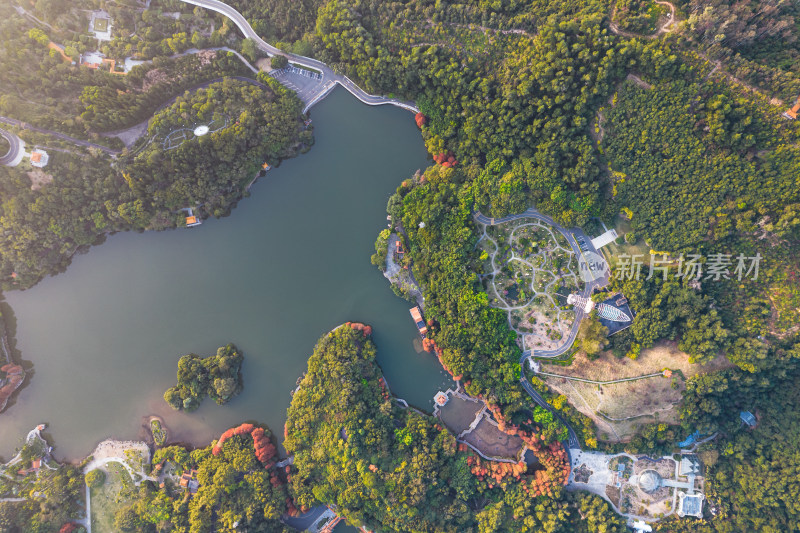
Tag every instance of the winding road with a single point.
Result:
(15, 151)
(667, 27)
(583, 265)
(329, 78)
(572, 443)
(73, 140)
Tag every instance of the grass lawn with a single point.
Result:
(101, 25)
(613, 250)
(117, 490)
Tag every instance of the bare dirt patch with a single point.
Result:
(492, 442)
(619, 409)
(545, 332)
(613, 494)
(39, 178)
(153, 77)
(458, 413)
(664, 354)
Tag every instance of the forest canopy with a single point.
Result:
(217, 376)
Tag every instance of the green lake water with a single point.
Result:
(290, 263)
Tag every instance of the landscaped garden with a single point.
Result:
(528, 269)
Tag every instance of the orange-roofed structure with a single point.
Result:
(792, 113)
(192, 220)
(39, 158)
(416, 314)
(189, 481)
(53, 46)
(441, 398)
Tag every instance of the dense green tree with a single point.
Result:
(279, 61)
(218, 376)
(95, 478)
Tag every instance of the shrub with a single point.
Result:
(279, 61)
(95, 478)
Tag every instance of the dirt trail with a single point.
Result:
(665, 28)
(668, 27)
(718, 66)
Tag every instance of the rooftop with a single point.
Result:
(440, 398)
(690, 465)
(39, 158)
(748, 418)
(690, 505)
(650, 481)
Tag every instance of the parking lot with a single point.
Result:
(307, 84)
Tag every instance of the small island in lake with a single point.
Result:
(217, 376)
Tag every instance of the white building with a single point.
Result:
(606, 238)
(690, 505)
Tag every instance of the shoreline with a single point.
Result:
(15, 374)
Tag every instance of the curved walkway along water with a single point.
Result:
(329, 78)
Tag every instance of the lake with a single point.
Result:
(291, 263)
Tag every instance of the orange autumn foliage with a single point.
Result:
(553, 457)
(420, 119)
(363, 328)
(430, 346)
(446, 159)
(495, 470)
(263, 448)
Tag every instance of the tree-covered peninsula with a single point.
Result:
(393, 468)
(217, 376)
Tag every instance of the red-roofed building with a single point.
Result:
(792, 113)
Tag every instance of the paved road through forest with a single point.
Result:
(15, 146)
(329, 78)
(73, 140)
